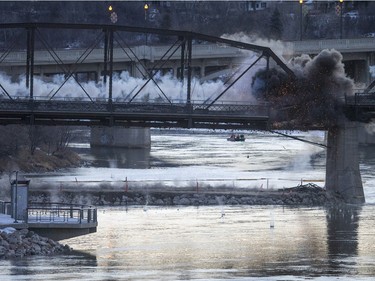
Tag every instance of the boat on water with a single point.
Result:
(236, 138)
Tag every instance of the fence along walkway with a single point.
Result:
(55, 213)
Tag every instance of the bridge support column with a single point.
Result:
(120, 137)
(342, 167)
(137, 69)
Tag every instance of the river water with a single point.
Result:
(215, 242)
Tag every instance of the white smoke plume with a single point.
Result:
(124, 87)
(278, 47)
(370, 127)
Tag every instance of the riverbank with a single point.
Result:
(39, 162)
(307, 195)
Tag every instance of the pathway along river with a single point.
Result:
(215, 242)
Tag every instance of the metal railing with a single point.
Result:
(60, 213)
(5, 207)
(360, 99)
(102, 105)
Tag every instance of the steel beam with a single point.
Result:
(30, 61)
(110, 47)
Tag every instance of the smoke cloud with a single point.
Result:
(278, 47)
(314, 98)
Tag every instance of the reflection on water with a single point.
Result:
(116, 157)
(342, 226)
(342, 236)
(42, 268)
(217, 242)
(200, 243)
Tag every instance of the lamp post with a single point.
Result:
(300, 19)
(113, 14)
(15, 204)
(145, 7)
(341, 2)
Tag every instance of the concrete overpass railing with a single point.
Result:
(200, 51)
(151, 53)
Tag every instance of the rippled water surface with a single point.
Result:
(217, 242)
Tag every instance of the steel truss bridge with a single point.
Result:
(135, 114)
(54, 109)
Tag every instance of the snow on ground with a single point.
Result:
(5, 219)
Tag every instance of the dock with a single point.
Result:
(53, 220)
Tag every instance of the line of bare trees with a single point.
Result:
(49, 139)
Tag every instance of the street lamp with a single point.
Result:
(145, 7)
(113, 14)
(341, 2)
(300, 19)
(15, 204)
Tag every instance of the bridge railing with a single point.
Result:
(342, 45)
(65, 104)
(360, 99)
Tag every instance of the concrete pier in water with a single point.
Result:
(343, 176)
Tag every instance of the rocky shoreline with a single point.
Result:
(21, 243)
(308, 195)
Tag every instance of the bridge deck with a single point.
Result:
(104, 113)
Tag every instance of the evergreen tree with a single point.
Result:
(276, 26)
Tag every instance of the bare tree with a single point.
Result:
(56, 139)
(12, 137)
(35, 138)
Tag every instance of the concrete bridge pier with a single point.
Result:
(343, 176)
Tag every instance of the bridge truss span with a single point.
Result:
(107, 105)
